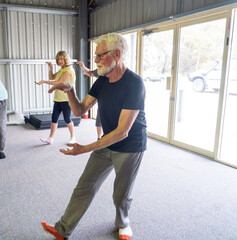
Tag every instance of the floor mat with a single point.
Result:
(43, 121)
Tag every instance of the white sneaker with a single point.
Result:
(72, 140)
(47, 140)
(125, 233)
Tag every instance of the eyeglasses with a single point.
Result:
(100, 56)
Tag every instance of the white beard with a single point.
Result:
(102, 71)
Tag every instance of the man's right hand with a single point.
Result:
(66, 87)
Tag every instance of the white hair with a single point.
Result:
(115, 41)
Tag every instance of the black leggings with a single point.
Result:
(61, 107)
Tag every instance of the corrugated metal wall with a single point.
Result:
(40, 36)
(59, 4)
(28, 40)
(125, 14)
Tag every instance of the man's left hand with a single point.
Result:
(76, 149)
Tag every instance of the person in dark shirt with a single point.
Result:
(120, 94)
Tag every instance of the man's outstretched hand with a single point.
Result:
(66, 87)
(76, 149)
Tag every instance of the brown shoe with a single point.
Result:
(52, 230)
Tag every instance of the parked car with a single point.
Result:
(155, 79)
(210, 80)
(200, 80)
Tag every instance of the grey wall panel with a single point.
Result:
(22, 35)
(57, 3)
(98, 23)
(36, 36)
(107, 15)
(170, 8)
(13, 21)
(57, 34)
(51, 36)
(40, 36)
(3, 34)
(29, 36)
(73, 5)
(73, 48)
(60, 4)
(24, 85)
(132, 13)
(123, 14)
(160, 10)
(127, 12)
(44, 36)
(23, 2)
(64, 32)
(187, 5)
(92, 21)
(27, 94)
(136, 12)
(32, 88)
(118, 15)
(16, 90)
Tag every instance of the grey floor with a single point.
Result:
(178, 194)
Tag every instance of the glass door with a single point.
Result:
(156, 74)
(228, 150)
(198, 81)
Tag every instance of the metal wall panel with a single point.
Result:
(119, 15)
(60, 4)
(3, 52)
(40, 36)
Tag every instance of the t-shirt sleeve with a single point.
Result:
(94, 89)
(134, 98)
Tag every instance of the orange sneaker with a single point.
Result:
(52, 230)
(125, 233)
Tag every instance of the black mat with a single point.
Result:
(43, 121)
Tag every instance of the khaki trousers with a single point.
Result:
(99, 166)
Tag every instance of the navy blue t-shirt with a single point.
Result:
(126, 93)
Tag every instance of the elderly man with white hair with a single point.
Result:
(120, 94)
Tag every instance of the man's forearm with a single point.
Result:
(109, 139)
(126, 120)
(76, 106)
